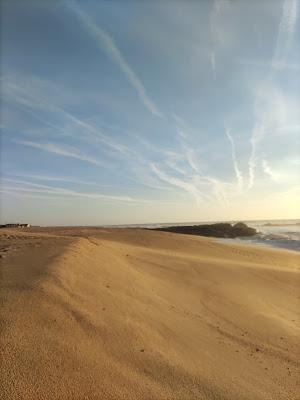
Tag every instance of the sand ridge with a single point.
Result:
(91, 313)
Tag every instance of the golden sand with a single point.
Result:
(135, 314)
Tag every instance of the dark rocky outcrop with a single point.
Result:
(221, 230)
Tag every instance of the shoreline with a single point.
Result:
(261, 244)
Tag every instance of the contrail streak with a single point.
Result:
(107, 44)
(237, 171)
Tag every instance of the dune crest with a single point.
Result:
(134, 314)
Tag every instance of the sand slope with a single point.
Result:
(133, 314)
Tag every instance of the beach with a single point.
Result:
(102, 313)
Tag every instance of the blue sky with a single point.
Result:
(136, 111)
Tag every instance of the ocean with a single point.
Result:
(274, 233)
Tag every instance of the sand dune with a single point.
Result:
(134, 314)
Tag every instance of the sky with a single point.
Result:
(119, 112)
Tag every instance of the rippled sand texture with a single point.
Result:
(135, 314)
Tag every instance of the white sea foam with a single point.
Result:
(274, 233)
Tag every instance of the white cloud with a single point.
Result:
(213, 63)
(65, 152)
(285, 32)
(270, 106)
(188, 187)
(58, 179)
(200, 187)
(13, 192)
(68, 193)
(106, 43)
(172, 163)
(275, 176)
(29, 93)
(268, 64)
(180, 127)
(182, 134)
(257, 135)
(57, 192)
(274, 112)
(217, 6)
(191, 158)
(178, 120)
(237, 171)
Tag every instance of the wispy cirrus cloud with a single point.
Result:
(275, 176)
(179, 183)
(29, 94)
(213, 63)
(28, 188)
(60, 151)
(274, 112)
(26, 183)
(48, 178)
(285, 32)
(215, 33)
(107, 44)
(237, 171)
(173, 163)
(180, 126)
(185, 172)
(258, 133)
(273, 64)
(271, 106)
(191, 158)
(67, 193)
(12, 192)
(200, 187)
(88, 108)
